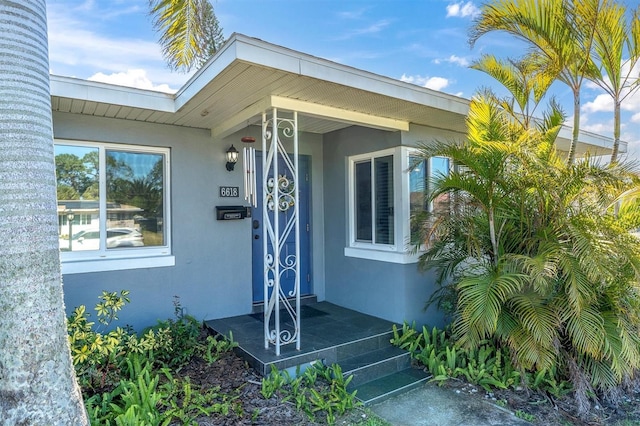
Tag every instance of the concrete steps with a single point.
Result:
(331, 334)
(379, 369)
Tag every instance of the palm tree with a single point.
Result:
(617, 75)
(524, 79)
(38, 384)
(561, 34)
(536, 259)
(190, 32)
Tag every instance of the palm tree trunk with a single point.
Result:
(576, 127)
(492, 229)
(37, 382)
(616, 133)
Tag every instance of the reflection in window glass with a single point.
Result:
(384, 199)
(78, 197)
(363, 201)
(417, 185)
(135, 187)
(439, 168)
(421, 177)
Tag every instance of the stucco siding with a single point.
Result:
(210, 275)
(212, 272)
(393, 291)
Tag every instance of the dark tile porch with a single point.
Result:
(328, 334)
(359, 343)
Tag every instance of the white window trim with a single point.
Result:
(133, 257)
(399, 251)
(114, 264)
(402, 252)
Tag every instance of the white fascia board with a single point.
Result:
(590, 139)
(338, 114)
(93, 91)
(363, 80)
(261, 53)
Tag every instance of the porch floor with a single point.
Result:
(328, 333)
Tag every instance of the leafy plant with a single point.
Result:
(132, 402)
(328, 396)
(215, 346)
(184, 402)
(535, 253)
(98, 355)
(525, 416)
(184, 331)
(273, 382)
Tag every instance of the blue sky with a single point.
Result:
(419, 41)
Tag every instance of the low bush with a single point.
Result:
(130, 379)
(488, 365)
(323, 399)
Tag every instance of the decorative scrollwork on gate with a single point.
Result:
(281, 227)
(286, 193)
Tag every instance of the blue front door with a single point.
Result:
(287, 280)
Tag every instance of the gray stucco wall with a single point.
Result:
(393, 291)
(210, 275)
(212, 272)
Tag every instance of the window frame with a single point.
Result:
(402, 251)
(395, 252)
(105, 259)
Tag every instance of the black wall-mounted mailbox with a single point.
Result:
(232, 212)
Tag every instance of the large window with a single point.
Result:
(386, 190)
(112, 200)
(372, 184)
(374, 200)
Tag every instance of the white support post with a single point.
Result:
(281, 226)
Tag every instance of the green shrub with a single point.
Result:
(214, 346)
(184, 331)
(327, 397)
(539, 259)
(98, 355)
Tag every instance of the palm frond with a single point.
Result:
(185, 31)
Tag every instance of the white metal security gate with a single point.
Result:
(280, 192)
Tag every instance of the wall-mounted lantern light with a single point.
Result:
(232, 157)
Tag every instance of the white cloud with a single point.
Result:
(374, 28)
(79, 48)
(453, 59)
(601, 128)
(131, 78)
(435, 83)
(71, 44)
(462, 10)
(602, 103)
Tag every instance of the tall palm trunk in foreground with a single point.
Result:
(37, 382)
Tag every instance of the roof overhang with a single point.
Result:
(248, 76)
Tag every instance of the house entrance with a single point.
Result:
(287, 279)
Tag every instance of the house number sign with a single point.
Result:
(229, 191)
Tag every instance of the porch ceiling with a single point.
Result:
(248, 76)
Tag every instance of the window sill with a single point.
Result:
(381, 255)
(116, 264)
